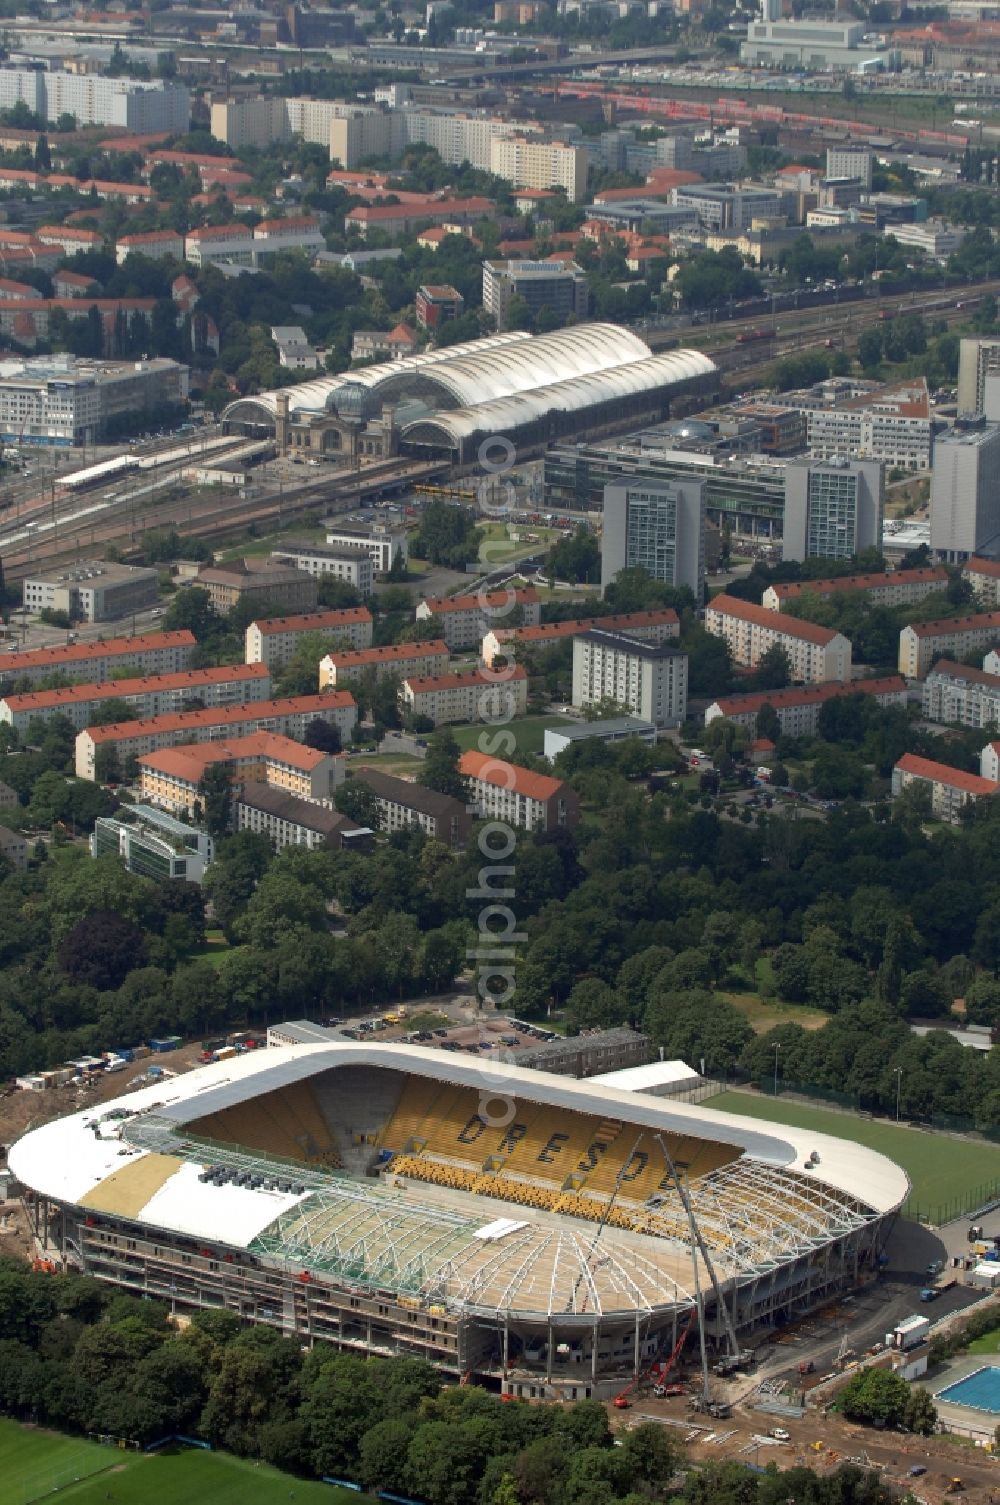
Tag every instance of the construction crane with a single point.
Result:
(621, 1402)
(737, 1357)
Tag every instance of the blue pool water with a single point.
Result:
(980, 1390)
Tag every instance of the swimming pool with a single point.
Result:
(979, 1390)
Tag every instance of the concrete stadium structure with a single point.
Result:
(534, 390)
(520, 1227)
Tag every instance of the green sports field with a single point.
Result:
(36, 1464)
(528, 730)
(945, 1172)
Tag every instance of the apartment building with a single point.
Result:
(286, 718)
(953, 637)
(14, 849)
(984, 577)
(832, 510)
(989, 762)
(798, 707)
(273, 640)
(403, 805)
(438, 303)
(152, 695)
(94, 99)
(951, 789)
(153, 844)
(507, 792)
(558, 285)
(290, 821)
(150, 653)
(264, 581)
(528, 162)
(465, 620)
(400, 660)
(404, 219)
(353, 565)
(884, 588)
(93, 591)
(850, 162)
(965, 491)
(646, 626)
(478, 696)
(977, 359)
(153, 244)
(649, 679)
(385, 542)
(816, 654)
(658, 526)
(171, 777)
(958, 694)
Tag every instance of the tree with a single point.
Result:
(215, 791)
(768, 722)
(358, 802)
(192, 609)
(322, 736)
(109, 712)
(101, 950)
(774, 669)
(440, 770)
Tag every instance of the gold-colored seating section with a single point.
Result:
(286, 1123)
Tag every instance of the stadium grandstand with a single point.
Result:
(548, 1236)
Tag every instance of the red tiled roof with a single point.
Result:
(220, 232)
(665, 616)
(788, 589)
(291, 222)
(264, 710)
(526, 597)
(392, 653)
(963, 671)
(942, 773)
(146, 237)
(535, 786)
(189, 760)
(748, 611)
(313, 621)
(461, 681)
(79, 653)
(734, 705)
(977, 566)
(193, 679)
(946, 625)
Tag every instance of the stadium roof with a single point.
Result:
(789, 1192)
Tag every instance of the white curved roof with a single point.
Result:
(481, 370)
(504, 415)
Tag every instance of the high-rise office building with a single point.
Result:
(561, 286)
(965, 491)
(659, 526)
(977, 358)
(850, 162)
(833, 508)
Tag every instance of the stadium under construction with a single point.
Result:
(547, 1236)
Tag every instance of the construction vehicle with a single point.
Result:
(954, 1487)
(733, 1362)
(660, 1390)
(720, 1409)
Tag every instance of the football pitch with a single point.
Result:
(40, 1465)
(944, 1172)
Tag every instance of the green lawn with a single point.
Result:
(529, 731)
(36, 1464)
(942, 1169)
(988, 1343)
(215, 948)
(258, 546)
(498, 548)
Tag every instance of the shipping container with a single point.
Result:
(169, 1042)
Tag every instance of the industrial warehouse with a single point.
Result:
(550, 1237)
(588, 379)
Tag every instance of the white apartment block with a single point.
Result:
(886, 588)
(901, 440)
(284, 718)
(395, 660)
(517, 796)
(798, 707)
(273, 640)
(954, 637)
(958, 694)
(816, 654)
(150, 653)
(352, 565)
(989, 762)
(465, 620)
(951, 788)
(154, 695)
(529, 163)
(96, 100)
(647, 626)
(478, 696)
(649, 680)
(984, 577)
(386, 543)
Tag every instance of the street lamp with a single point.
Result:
(898, 1074)
(777, 1048)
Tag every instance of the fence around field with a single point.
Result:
(967, 1203)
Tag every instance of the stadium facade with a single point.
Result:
(589, 379)
(521, 1228)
